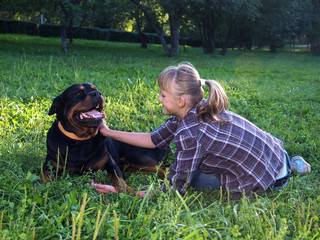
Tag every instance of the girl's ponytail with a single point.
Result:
(217, 103)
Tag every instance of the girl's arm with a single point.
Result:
(135, 139)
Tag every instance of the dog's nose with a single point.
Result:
(95, 93)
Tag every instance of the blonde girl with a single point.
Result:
(214, 146)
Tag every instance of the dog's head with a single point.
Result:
(79, 109)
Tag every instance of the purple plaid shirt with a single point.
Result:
(239, 154)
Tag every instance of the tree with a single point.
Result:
(207, 15)
(280, 21)
(70, 13)
(21, 9)
(223, 18)
(237, 13)
(103, 14)
(155, 12)
(138, 16)
(312, 26)
(128, 11)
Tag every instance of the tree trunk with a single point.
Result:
(64, 38)
(208, 25)
(71, 30)
(163, 41)
(143, 40)
(273, 47)
(64, 29)
(226, 42)
(142, 36)
(315, 47)
(208, 42)
(248, 44)
(174, 38)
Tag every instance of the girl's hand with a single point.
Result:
(104, 129)
(142, 194)
(102, 188)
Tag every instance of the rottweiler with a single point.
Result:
(75, 144)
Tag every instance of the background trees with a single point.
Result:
(311, 25)
(214, 23)
(206, 15)
(161, 14)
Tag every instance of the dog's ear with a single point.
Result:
(55, 105)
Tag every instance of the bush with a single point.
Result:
(18, 27)
(4, 26)
(49, 30)
(122, 36)
(90, 33)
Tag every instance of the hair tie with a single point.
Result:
(202, 82)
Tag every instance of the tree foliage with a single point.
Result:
(161, 14)
(216, 23)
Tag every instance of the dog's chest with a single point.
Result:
(76, 153)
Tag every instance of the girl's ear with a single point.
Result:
(181, 102)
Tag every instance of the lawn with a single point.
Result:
(278, 92)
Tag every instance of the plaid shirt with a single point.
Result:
(239, 154)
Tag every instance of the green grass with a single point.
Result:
(278, 92)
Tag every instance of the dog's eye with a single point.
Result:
(79, 94)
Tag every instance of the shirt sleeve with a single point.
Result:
(162, 136)
(189, 154)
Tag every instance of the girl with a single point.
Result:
(214, 147)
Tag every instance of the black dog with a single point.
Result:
(75, 144)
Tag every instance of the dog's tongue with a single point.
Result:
(92, 114)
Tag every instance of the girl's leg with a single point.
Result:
(283, 180)
(204, 180)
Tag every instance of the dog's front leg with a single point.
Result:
(121, 186)
(117, 178)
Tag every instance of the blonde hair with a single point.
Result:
(184, 79)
